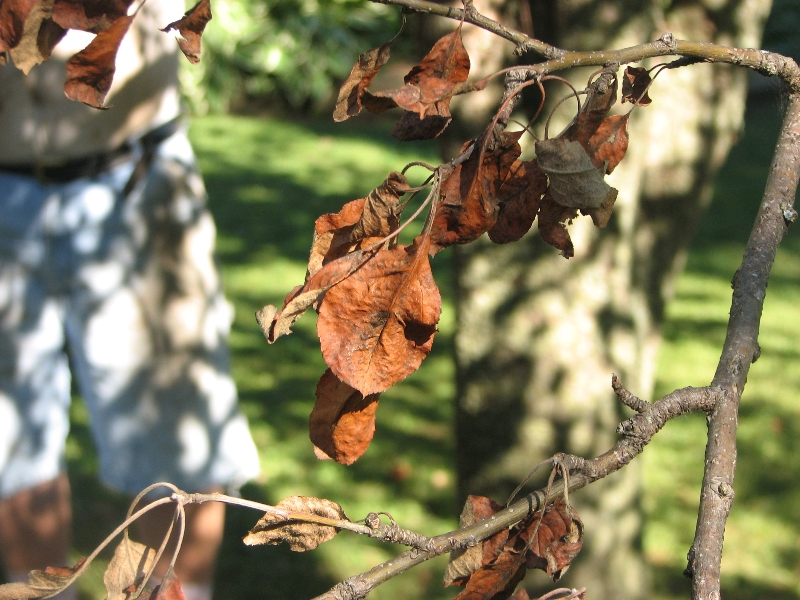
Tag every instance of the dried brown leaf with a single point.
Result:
(90, 71)
(574, 181)
(191, 28)
(608, 145)
(302, 298)
(170, 588)
(465, 562)
(349, 101)
(14, 15)
(375, 216)
(558, 540)
(429, 88)
(300, 535)
(552, 224)
(411, 128)
(521, 194)
(342, 424)
(602, 95)
(470, 195)
(41, 584)
(127, 569)
(376, 326)
(94, 16)
(634, 86)
(39, 36)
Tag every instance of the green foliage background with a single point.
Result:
(270, 54)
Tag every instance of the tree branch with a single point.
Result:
(636, 433)
(766, 63)
(739, 352)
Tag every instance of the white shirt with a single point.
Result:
(38, 123)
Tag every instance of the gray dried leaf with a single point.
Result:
(466, 561)
(300, 535)
(574, 181)
(128, 567)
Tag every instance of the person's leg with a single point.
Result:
(35, 527)
(35, 512)
(147, 330)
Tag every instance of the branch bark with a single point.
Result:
(739, 352)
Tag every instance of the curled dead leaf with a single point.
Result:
(471, 194)
(127, 568)
(558, 541)
(521, 191)
(349, 101)
(30, 34)
(466, 561)
(342, 423)
(42, 583)
(634, 86)
(91, 71)
(191, 28)
(574, 181)
(300, 535)
(95, 16)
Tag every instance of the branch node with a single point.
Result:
(725, 490)
(628, 399)
(669, 41)
(789, 213)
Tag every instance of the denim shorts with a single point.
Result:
(123, 293)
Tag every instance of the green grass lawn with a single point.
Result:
(268, 181)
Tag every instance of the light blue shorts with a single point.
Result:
(128, 289)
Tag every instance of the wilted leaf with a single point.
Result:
(558, 540)
(14, 15)
(634, 84)
(349, 103)
(465, 562)
(94, 16)
(375, 216)
(41, 584)
(428, 89)
(520, 594)
(552, 224)
(39, 35)
(302, 298)
(574, 181)
(376, 326)
(411, 128)
(470, 195)
(602, 214)
(521, 193)
(128, 567)
(607, 147)
(300, 535)
(191, 28)
(170, 588)
(90, 71)
(342, 423)
(601, 97)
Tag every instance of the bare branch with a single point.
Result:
(636, 432)
(739, 352)
(524, 42)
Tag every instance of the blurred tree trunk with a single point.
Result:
(538, 336)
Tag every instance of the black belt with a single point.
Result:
(94, 164)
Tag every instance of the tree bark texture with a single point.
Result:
(539, 336)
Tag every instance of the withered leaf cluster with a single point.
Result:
(30, 29)
(377, 302)
(547, 540)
